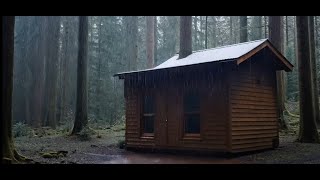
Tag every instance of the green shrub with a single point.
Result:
(121, 143)
(85, 134)
(65, 127)
(21, 129)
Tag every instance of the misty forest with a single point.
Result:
(82, 89)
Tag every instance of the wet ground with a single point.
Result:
(105, 150)
(160, 158)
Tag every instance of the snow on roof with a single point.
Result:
(222, 53)
(209, 55)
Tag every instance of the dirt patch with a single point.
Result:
(76, 149)
(289, 152)
(105, 150)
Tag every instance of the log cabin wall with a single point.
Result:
(169, 124)
(238, 100)
(213, 118)
(253, 104)
(133, 125)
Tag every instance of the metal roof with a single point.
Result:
(217, 54)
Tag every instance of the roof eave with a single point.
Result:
(121, 75)
(287, 65)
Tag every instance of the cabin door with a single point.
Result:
(168, 118)
(162, 135)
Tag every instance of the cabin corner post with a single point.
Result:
(275, 141)
(233, 67)
(229, 112)
(125, 93)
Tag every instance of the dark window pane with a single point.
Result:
(192, 123)
(191, 102)
(148, 106)
(148, 124)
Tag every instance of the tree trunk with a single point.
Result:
(131, 24)
(265, 27)
(314, 70)
(317, 46)
(27, 107)
(99, 100)
(281, 34)
(256, 26)
(185, 36)
(214, 27)
(150, 41)
(8, 152)
(284, 75)
(287, 36)
(38, 67)
(64, 71)
(259, 24)
(27, 93)
(201, 33)
(295, 40)
(317, 29)
(155, 40)
(231, 30)
(243, 29)
(236, 25)
(275, 37)
(175, 23)
(206, 33)
(71, 86)
(195, 35)
(308, 131)
(47, 60)
(52, 60)
(60, 85)
(81, 117)
(41, 98)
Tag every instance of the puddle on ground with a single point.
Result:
(137, 158)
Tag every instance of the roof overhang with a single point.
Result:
(121, 75)
(287, 65)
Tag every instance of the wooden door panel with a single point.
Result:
(161, 124)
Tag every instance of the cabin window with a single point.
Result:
(191, 113)
(258, 81)
(148, 115)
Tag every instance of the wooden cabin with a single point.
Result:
(222, 99)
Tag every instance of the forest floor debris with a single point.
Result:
(109, 150)
(54, 146)
(54, 154)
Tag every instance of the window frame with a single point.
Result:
(144, 134)
(185, 114)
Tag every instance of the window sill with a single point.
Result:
(192, 137)
(147, 136)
